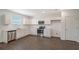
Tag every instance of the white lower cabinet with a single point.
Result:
(47, 32)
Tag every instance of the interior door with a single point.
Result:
(55, 28)
(1, 34)
(1, 26)
(72, 28)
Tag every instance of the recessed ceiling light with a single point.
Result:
(43, 12)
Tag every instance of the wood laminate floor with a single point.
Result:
(40, 43)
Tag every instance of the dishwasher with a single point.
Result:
(11, 35)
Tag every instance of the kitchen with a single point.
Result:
(29, 24)
(57, 23)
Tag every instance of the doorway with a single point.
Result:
(55, 28)
(72, 28)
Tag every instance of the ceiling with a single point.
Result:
(35, 12)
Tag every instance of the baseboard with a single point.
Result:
(55, 37)
(34, 35)
(39, 36)
(1, 42)
(16, 39)
(23, 36)
(72, 41)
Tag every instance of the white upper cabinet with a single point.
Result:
(47, 21)
(7, 19)
(26, 20)
(4, 19)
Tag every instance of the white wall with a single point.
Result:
(23, 31)
(1, 25)
(47, 18)
(70, 25)
(69, 22)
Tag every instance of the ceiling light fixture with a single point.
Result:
(43, 12)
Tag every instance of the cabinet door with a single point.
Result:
(4, 19)
(47, 21)
(1, 20)
(56, 28)
(26, 20)
(47, 33)
(1, 36)
(7, 19)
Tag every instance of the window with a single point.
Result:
(16, 20)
